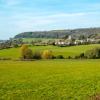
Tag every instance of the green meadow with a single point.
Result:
(37, 39)
(49, 80)
(65, 51)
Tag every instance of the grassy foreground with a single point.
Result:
(49, 80)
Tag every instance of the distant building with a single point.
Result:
(69, 37)
(90, 40)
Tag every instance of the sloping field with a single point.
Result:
(65, 51)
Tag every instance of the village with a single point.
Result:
(70, 41)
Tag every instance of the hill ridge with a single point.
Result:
(58, 33)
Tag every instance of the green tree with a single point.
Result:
(37, 55)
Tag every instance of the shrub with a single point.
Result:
(93, 54)
(76, 57)
(37, 55)
(23, 48)
(69, 57)
(5, 59)
(60, 57)
(53, 57)
(26, 53)
(47, 54)
(79, 56)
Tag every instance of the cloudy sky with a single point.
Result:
(33, 15)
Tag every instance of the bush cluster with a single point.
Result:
(93, 53)
(59, 57)
(37, 55)
(90, 54)
(27, 53)
(5, 58)
(47, 54)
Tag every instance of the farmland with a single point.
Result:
(49, 80)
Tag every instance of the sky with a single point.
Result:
(18, 16)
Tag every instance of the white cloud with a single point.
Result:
(29, 21)
(18, 22)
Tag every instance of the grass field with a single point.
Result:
(49, 80)
(36, 39)
(65, 51)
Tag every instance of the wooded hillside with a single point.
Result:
(59, 33)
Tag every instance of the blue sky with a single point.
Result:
(33, 15)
